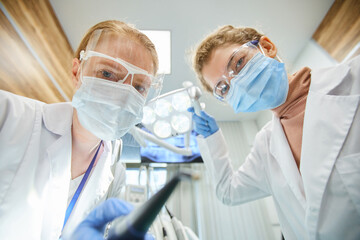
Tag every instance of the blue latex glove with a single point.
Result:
(93, 226)
(204, 124)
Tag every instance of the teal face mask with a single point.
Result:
(261, 84)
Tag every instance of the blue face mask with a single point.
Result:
(261, 84)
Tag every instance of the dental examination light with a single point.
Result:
(167, 116)
(135, 225)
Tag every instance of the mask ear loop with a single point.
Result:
(94, 38)
(277, 56)
(82, 62)
(261, 49)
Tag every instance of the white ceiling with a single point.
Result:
(288, 23)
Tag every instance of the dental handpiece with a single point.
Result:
(195, 94)
(178, 227)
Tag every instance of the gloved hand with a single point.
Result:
(204, 124)
(93, 226)
(149, 237)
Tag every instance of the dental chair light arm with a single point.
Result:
(139, 134)
(137, 131)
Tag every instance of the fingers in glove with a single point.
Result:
(202, 128)
(108, 211)
(205, 116)
(199, 120)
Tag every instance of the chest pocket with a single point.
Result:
(349, 171)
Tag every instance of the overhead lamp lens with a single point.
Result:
(181, 123)
(148, 116)
(163, 108)
(162, 129)
(181, 101)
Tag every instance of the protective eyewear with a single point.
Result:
(236, 63)
(102, 66)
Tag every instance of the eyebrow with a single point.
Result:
(112, 65)
(107, 62)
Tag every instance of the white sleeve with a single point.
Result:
(17, 118)
(118, 169)
(234, 187)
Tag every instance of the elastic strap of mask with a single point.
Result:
(79, 71)
(91, 45)
(94, 39)
(277, 56)
(261, 49)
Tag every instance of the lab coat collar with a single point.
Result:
(331, 117)
(59, 156)
(103, 175)
(95, 189)
(280, 149)
(320, 78)
(58, 117)
(100, 179)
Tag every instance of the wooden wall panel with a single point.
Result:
(20, 73)
(339, 31)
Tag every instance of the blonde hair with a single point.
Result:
(124, 29)
(221, 37)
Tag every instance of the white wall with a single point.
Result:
(289, 24)
(312, 56)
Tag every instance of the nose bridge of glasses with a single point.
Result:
(128, 79)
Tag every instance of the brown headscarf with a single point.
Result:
(291, 113)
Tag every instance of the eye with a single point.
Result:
(141, 83)
(224, 89)
(239, 63)
(107, 75)
(141, 89)
(239, 66)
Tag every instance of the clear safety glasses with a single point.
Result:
(102, 66)
(236, 63)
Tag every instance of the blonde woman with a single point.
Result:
(56, 159)
(308, 156)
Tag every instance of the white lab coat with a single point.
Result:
(324, 201)
(35, 161)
